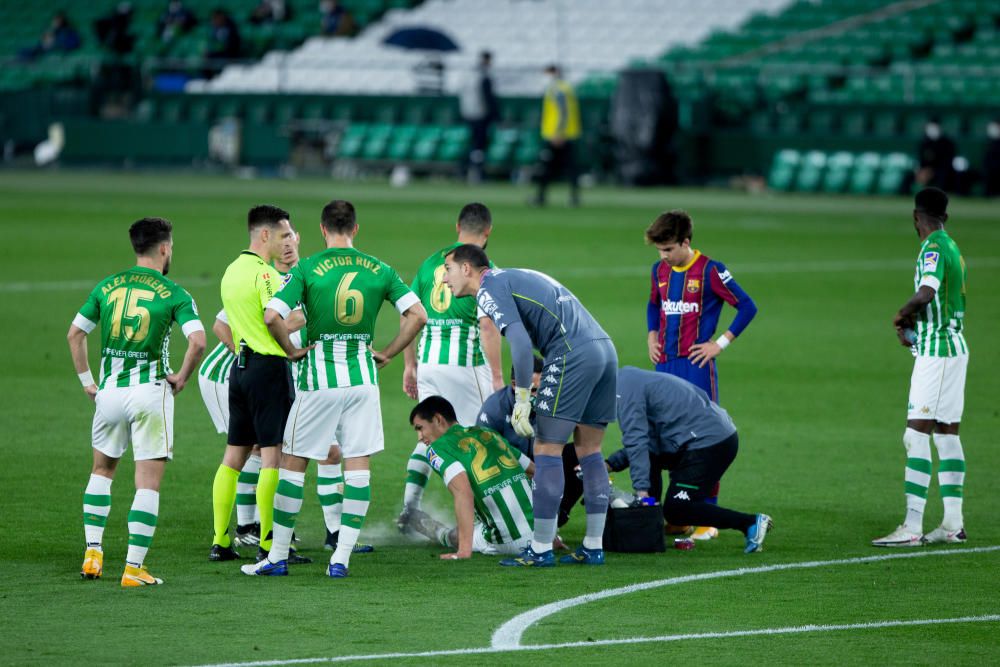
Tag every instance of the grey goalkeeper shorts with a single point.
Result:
(579, 386)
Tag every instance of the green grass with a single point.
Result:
(817, 386)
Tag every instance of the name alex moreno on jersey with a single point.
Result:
(680, 307)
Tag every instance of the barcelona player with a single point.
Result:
(686, 296)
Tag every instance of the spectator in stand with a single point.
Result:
(935, 156)
(61, 36)
(334, 20)
(223, 37)
(991, 159)
(270, 11)
(479, 109)
(174, 21)
(113, 30)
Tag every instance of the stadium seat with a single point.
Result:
(811, 171)
(865, 173)
(838, 171)
(894, 169)
(783, 169)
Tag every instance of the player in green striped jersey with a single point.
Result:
(341, 290)
(135, 310)
(931, 325)
(487, 478)
(458, 356)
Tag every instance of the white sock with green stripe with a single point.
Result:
(246, 492)
(141, 525)
(918, 478)
(330, 489)
(287, 504)
(418, 470)
(951, 478)
(96, 507)
(357, 494)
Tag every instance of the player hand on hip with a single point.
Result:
(176, 383)
(381, 360)
(655, 349)
(520, 418)
(410, 381)
(299, 353)
(91, 392)
(702, 353)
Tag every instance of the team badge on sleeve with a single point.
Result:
(434, 460)
(930, 261)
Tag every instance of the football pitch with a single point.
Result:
(817, 386)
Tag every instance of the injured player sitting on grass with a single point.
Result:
(487, 478)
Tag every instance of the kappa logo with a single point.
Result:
(484, 418)
(552, 369)
(931, 261)
(682, 495)
(550, 379)
(497, 317)
(547, 392)
(543, 405)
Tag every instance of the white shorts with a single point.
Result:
(481, 545)
(351, 416)
(141, 415)
(216, 397)
(937, 389)
(465, 387)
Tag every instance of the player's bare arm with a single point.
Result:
(192, 357)
(411, 322)
(489, 337)
(276, 325)
(295, 321)
(904, 319)
(409, 366)
(224, 334)
(77, 339)
(461, 491)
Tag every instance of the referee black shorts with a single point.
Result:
(260, 397)
(695, 475)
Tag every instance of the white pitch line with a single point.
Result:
(509, 634)
(791, 630)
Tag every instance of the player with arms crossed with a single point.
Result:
(687, 292)
(459, 352)
(937, 386)
(576, 396)
(342, 290)
(135, 310)
(487, 478)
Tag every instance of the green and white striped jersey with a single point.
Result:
(341, 291)
(500, 486)
(939, 325)
(136, 310)
(451, 335)
(219, 361)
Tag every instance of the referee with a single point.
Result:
(260, 383)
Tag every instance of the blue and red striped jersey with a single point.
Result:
(685, 303)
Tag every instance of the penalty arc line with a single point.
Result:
(509, 634)
(789, 630)
(499, 647)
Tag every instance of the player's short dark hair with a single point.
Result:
(434, 405)
(475, 218)
(265, 215)
(147, 233)
(538, 366)
(932, 202)
(670, 227)
(338, 217)
(472, 254)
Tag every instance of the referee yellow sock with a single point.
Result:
(267, 484)
(223, 499)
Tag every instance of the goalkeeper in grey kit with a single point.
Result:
(576, 396)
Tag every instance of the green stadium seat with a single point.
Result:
(895, 167)
(811, 171)
(838, 171)
(352, 141)
(783, 169)
(865, 173)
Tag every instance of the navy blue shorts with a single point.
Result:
(705, 378)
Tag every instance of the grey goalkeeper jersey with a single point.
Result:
(554, 318)
(663, 414)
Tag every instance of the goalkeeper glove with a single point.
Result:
(520, 418)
